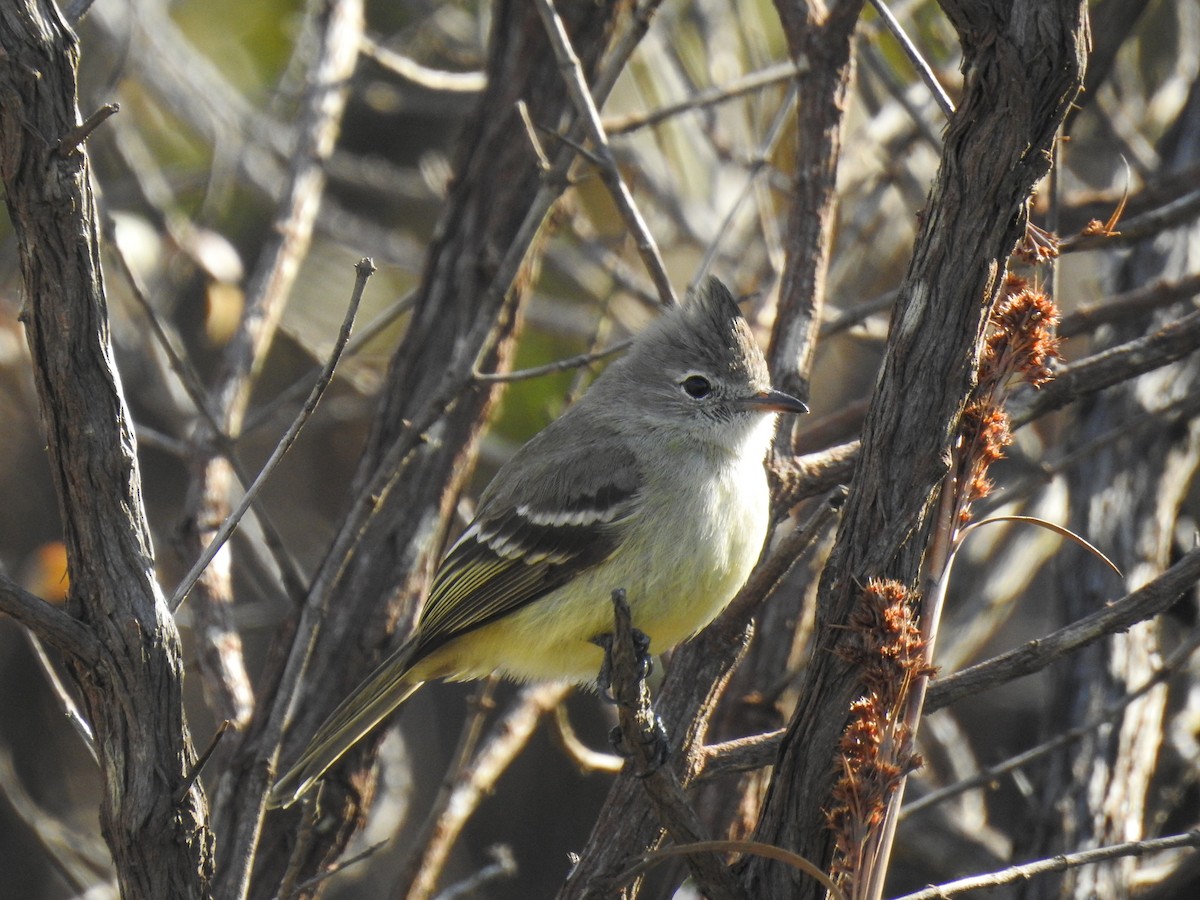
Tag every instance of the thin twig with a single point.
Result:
(1054, 213)
(1059, 863)
(303, 384)
(339, 866)
(81, 725)
(772, 75)
(411, 70)
(531, 132)
(73, 139)
(585, 758)
(1177, 212)
(914, 56)
(585, 103)
(202, 761)
(858, 313)
(561, 365)
(503, 865)
(364, 269)
(1135, 303)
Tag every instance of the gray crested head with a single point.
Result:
(708, 333)
(697, 371)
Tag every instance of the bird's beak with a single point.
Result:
(777, 401)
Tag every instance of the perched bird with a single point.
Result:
(652, 482)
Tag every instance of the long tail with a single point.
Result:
(366, 707)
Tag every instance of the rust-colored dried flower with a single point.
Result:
(1020, 346)
(875, 751)
(1023, 339)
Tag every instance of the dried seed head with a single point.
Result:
(875, 750)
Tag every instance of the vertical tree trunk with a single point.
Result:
(156, 829)
(1023, 64)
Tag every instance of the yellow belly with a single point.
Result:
(679, 566)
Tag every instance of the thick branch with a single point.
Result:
(50, 623)
(132, 693)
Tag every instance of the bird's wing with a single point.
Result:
(532, 535)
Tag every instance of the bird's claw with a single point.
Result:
(641, 647)
(654, 737)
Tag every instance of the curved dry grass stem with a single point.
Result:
(756, 848)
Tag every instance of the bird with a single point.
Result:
(652, 482)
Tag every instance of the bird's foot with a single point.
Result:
(653, 736)
(645, 662)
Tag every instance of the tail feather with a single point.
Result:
(370, 704)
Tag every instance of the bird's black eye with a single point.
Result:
(696, 386)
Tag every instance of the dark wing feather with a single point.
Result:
(532, 534)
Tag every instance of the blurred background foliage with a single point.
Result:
(188, 173)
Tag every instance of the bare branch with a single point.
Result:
(915, 57)
(430, 79)
(364, 270)
(1024, 872)
(65, 700)
(989, 775)
(63, 632)
(755, 81)
(1135, 303)
(1150, 600)
(585, 103)
(1177, 212)
(1173, 341)
(129, 668)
